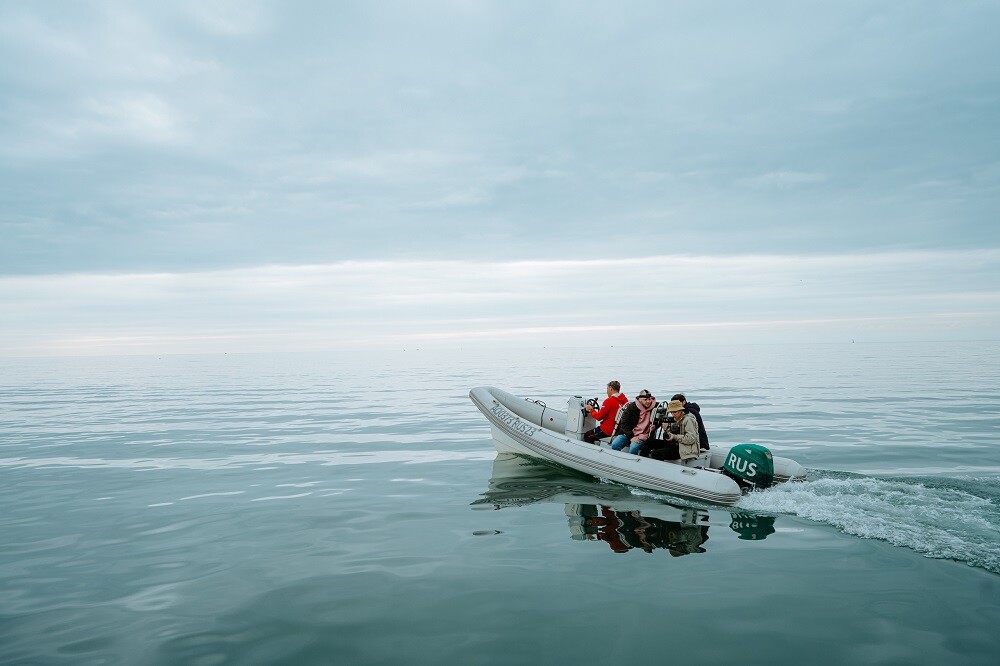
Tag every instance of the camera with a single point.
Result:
(663, 417)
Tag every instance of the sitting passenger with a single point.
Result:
(635, 423)
(659, 446)
(693, 408)
(677, 441)
(606, 414)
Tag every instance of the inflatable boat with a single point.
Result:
(532, 428)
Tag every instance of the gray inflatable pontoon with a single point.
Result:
(531, 428)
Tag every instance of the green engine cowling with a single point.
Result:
(751, 465)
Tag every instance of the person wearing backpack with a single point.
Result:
(635, 422)
(694, 408)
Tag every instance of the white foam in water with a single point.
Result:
(936, 519)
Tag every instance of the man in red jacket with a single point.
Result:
(606, 414)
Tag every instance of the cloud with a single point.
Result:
(142, 117)
(228, 18)
(192, 138)
(782, 180)
(378, 304)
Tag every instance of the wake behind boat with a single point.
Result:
(532, 428)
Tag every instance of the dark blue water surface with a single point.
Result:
(351, 508)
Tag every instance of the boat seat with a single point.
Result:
(702, 460)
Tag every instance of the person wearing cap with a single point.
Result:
(635, 423)
(693, 408)
(606, 414)
(679, 446)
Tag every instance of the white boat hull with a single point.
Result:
(534, 429)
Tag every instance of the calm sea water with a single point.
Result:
(351, 509)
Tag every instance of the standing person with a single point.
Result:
(693, 408)
(635, 423)
(677, 441)
(606, 414)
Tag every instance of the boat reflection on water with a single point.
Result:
(613, 513)
(625, 530)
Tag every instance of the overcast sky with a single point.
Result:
(236, 176)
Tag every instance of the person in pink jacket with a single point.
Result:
(606, 414)
(635, 423)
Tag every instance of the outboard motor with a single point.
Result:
(577, 417)
(751, 466)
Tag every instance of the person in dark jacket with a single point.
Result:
(693, 408)
(636, 422)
